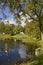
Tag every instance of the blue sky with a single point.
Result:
(11, 16)
(8, 14)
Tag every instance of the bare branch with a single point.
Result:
(32, 17)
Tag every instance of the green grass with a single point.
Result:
(20, 36)
(5, 36)
(25, 38)
(17, 36)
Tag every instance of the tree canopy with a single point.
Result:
(32, 29)
(33, 8)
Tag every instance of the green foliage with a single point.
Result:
(40, 60)
(37, 61)
(2, 26)
(5, 36)
(18, 29)
(40, 43)
(33, 8)
(32, 29)
(9, 29)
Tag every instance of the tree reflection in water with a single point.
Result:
(11, 52)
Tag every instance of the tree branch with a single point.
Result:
(32, 17)
(34, 10)
(40, 12)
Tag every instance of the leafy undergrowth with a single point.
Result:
(28, 63)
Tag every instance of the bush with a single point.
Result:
(32, 45)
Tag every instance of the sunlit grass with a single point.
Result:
(5, 36)
(24, 37)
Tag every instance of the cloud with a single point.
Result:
(12, 21)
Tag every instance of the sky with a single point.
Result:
(10, 17)
(8, 14)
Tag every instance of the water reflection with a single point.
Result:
(11, 52)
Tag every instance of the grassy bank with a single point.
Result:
(17, 36)
(5, 36)
(22, 36)
(25, 38)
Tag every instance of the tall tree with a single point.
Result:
(34, 9)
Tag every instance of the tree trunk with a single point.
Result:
(40, 24)
(41, 36)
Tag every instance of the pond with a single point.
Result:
(11, 52)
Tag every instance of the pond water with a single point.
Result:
(12, 52)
